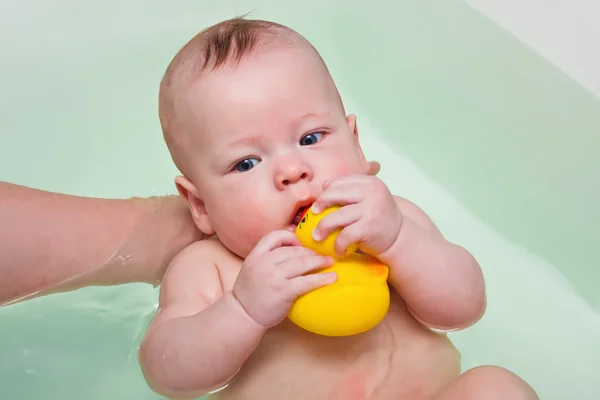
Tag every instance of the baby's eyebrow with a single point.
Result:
(245, 140)
(311, 118)
(315, 115)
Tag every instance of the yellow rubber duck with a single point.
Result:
(356, 302)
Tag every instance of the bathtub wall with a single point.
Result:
(564, 33)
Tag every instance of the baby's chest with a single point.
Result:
(387, 362)
(294, 364)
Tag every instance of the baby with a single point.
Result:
(255, 124)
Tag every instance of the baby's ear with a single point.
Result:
(188, 191)
(351, 120)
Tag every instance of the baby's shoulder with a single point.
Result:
(209, 249)
(205, 266)
(415, 213)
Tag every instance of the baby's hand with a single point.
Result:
(369, 215)
(272, 277)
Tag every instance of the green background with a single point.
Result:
(500, 147)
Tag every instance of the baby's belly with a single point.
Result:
(399, 359)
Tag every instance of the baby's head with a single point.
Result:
(255, 124)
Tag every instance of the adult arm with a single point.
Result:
(52, 242)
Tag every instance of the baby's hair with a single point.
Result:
(231, 40)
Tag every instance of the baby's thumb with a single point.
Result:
(374, 168)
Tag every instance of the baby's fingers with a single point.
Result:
(338, 194)
(274, 240)
(374, 168)
(303, 265)
(306, 283)
(351, 234)
(337, 219)
(284, 254)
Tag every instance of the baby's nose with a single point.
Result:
(291, 174)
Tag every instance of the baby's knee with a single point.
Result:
(491, 383)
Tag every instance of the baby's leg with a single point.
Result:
(488, 383)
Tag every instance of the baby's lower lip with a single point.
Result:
(291, 228)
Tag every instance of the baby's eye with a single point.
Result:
(311, 138)
(246, 164)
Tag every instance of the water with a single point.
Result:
(493, 142)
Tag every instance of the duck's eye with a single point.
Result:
(246, 164)
(311, 138)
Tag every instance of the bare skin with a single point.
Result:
(81, 241)
(53, 242)
(399, 359)
(273, 139)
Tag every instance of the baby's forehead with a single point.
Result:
(273, 86)
(269, 64)
(242, 74)
(289, 73)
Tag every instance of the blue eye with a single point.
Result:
(246, 164)
(311, 138)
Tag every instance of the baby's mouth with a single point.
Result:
(299, 214)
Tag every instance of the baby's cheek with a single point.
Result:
(346, 168)
(252, 223)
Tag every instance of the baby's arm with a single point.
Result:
(201, 335)
(441, 283)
